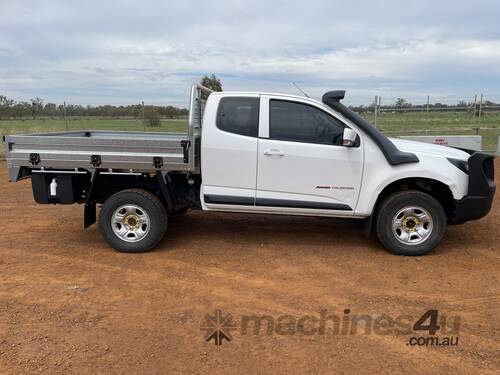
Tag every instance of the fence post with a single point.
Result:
(428, 108)
(480, 109)
(65, 117)
(475, 104)
(379, 106)
(143, 121)
(375, 110)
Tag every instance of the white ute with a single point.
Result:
(258, 153)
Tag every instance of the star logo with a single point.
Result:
(218, 327)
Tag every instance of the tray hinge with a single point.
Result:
(35, 158)
(157, 162)
(185, 147)
(95, 160)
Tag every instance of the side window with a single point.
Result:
(296, 122)
(239, 116)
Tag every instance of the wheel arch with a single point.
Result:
(435, 188)
(101, 187)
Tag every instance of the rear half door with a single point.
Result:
(229, 153)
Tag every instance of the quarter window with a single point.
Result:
(296, 122)
(239, 116)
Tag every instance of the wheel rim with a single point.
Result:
(130, 223)
(412, 225)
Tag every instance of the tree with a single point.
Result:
(212, 82)
(5, 106)
(170, 111)
(50, 109)
(36, 107)
(152, 116)
(136, 110)
(401, 103)
(22, 109)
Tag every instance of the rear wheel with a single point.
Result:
(133, 221)
(410, 223)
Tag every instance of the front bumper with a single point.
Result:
(481, 190)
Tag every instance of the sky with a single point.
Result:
(122, 52)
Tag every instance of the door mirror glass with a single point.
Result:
(349, 137)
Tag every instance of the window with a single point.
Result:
(298, 122)
(239, 116)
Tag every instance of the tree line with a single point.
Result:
(402, 104)
(36, 107)
(10, 109)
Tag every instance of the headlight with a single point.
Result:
(463, 165)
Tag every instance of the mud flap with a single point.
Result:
(368, 225)
(89, 212)
(89, 215)
(168, 194)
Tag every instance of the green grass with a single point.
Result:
(48, 125)
(390, 121)
(393, 124)
(440, 123)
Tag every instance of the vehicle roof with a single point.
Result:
(242, 93)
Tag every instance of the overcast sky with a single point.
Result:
(121, 52)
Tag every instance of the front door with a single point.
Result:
(302, 165)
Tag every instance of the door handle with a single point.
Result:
(274, 152)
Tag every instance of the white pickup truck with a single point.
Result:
(258, 153)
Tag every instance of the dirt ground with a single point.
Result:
(70, 304)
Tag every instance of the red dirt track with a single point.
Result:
(71, 305)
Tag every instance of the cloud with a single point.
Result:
(126, 51)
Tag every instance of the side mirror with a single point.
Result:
(349, 137)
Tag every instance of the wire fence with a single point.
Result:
(394, 116)
(473, 115)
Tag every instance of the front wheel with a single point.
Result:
(133, 221)
(410, 223)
